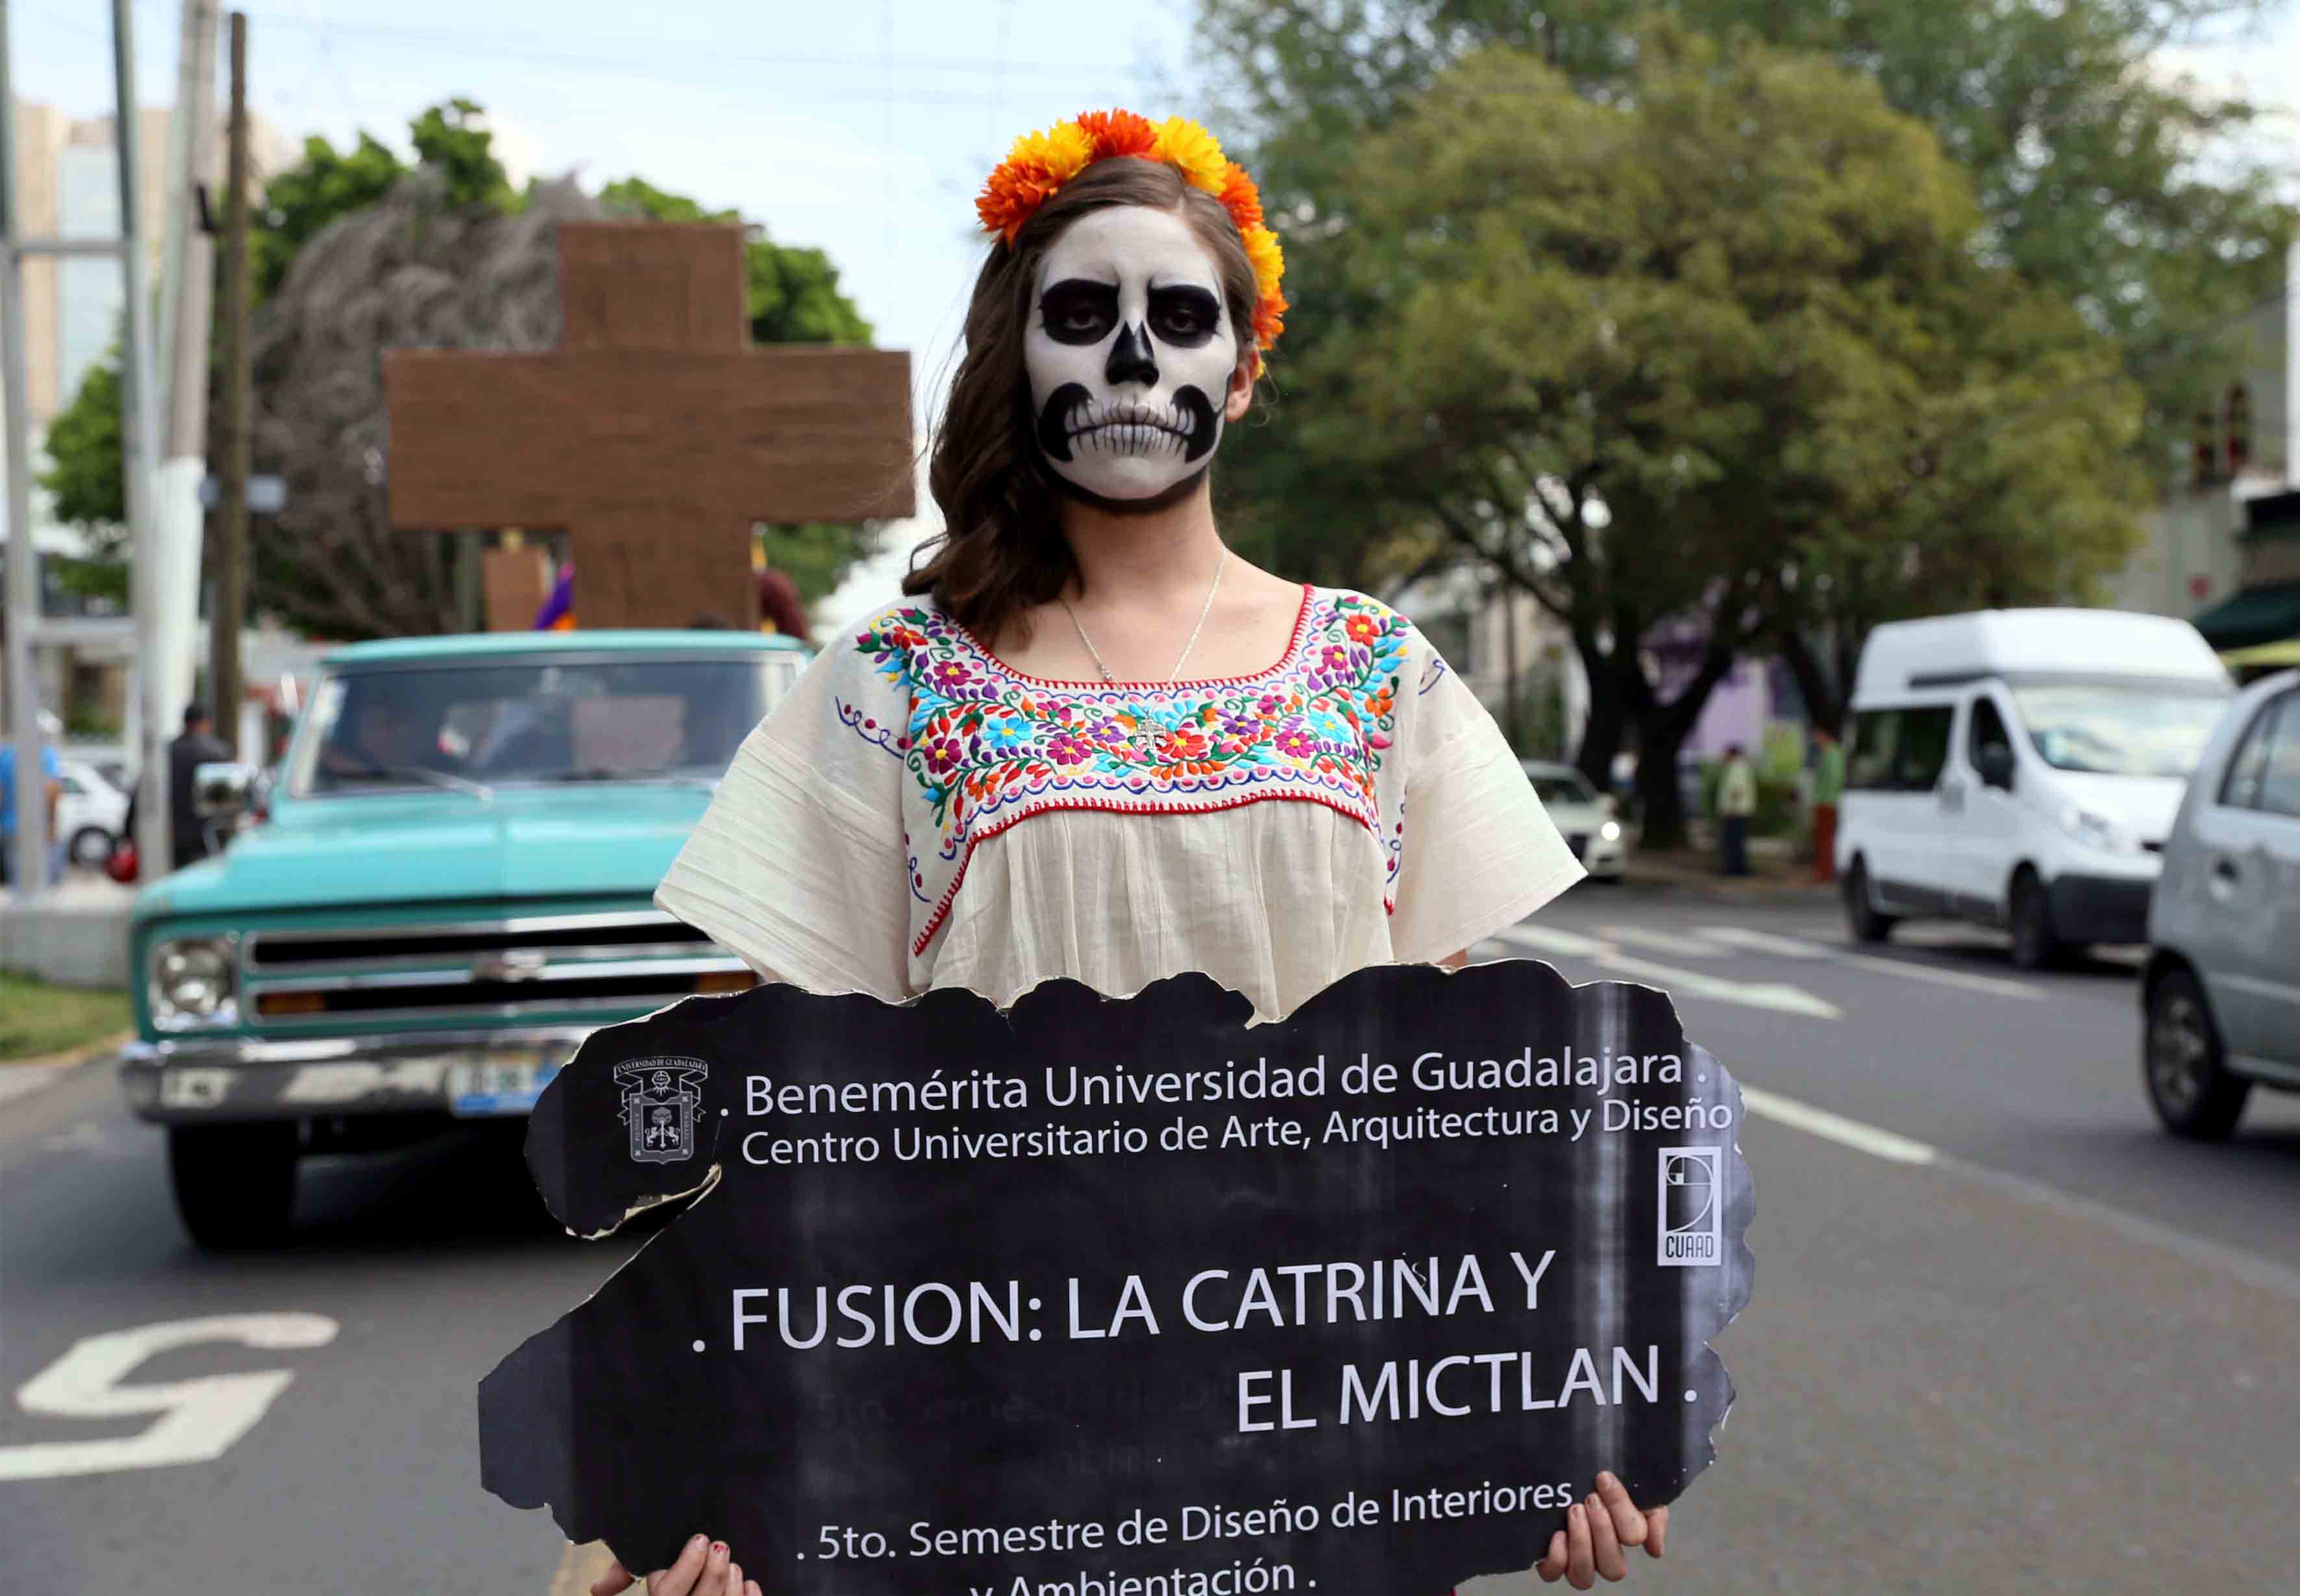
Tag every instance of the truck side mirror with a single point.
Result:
(223, 790)
(1995, 763)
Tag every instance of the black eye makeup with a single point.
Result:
(1187, 317)
(1077, 311)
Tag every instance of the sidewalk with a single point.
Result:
(1777, 876)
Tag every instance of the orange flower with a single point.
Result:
(1118, 133)
(1240, 198)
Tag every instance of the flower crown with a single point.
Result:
(1040, 163)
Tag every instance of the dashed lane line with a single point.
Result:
(1772, 996)
(1674, 943)
(1908, 970)
(1763, 942)
(1836, 1128)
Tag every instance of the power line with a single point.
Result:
(615, 55)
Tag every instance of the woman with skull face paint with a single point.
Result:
(1092, 743)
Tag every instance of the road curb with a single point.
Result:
(86, 1052)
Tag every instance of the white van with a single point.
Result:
(2021, 767)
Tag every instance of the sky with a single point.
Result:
(863, 128)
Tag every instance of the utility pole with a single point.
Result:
(138, 440)
(28, 868)
(231, 608)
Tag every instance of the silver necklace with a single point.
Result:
(1175, 675)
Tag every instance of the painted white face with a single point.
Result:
(1129, 353)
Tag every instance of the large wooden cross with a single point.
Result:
(656, 435)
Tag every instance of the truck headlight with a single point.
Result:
(2096, 830)
(194, 981)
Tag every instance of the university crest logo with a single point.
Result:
(661, 1097)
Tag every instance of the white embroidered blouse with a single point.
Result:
(916, 815)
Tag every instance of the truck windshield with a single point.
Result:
(476, 728)
(2110, 729)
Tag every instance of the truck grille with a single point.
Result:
(507, 968)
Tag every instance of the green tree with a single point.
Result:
(310, 195)
(83, 438)
(1672, 357)
(2083, 160)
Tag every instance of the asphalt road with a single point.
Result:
(2006, 1336)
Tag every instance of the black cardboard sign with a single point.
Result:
(1110, 1297)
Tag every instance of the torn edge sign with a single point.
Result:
(1129, 1296)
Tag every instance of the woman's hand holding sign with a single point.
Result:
(705, 1567)
(1595, 1532)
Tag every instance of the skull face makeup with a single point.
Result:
(1129, 353)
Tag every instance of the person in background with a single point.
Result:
(1827, 787)
(1737, 801)
(196, 745)
(780, 608)
(51, 790)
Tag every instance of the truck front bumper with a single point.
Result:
(472, 1073)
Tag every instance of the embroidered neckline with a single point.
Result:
(981, 650)
(988, 746)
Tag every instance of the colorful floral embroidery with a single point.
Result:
(988, 745)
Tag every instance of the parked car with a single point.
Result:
(89, 815)
(2020, 768)
(449, 888)
(2221, 991)
(1588, 819)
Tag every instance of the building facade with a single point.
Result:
(2246, 446)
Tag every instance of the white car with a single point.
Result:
(1587, 819)
(90, 814)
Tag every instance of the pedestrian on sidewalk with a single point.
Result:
(1828, 788)
(1737, 801)
(197, 745)
(51, 790)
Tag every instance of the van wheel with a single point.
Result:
(235, 1184)
(2189, 1085)
(1859, 909)
(2031, 916)
(91, 845)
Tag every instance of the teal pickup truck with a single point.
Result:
(448, 888)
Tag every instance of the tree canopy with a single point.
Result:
(1686, 353)
(1960, 445)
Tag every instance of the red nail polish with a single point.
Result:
(720, 1546)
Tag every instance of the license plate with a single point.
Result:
(478, 1088)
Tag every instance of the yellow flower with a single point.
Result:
(1189, 146)
(1269, 260)
(1062, 152)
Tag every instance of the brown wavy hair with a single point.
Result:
(1002, 550)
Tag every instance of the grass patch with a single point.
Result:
(36, 1018)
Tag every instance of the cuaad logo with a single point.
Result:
(1688, 1213)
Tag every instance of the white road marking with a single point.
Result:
(1773, 996)
(1910, 970)
(1779, 997)
(1662, 942)
(1764, 942)
(1835, 1127)
(1550, 939)
(200, 1419)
